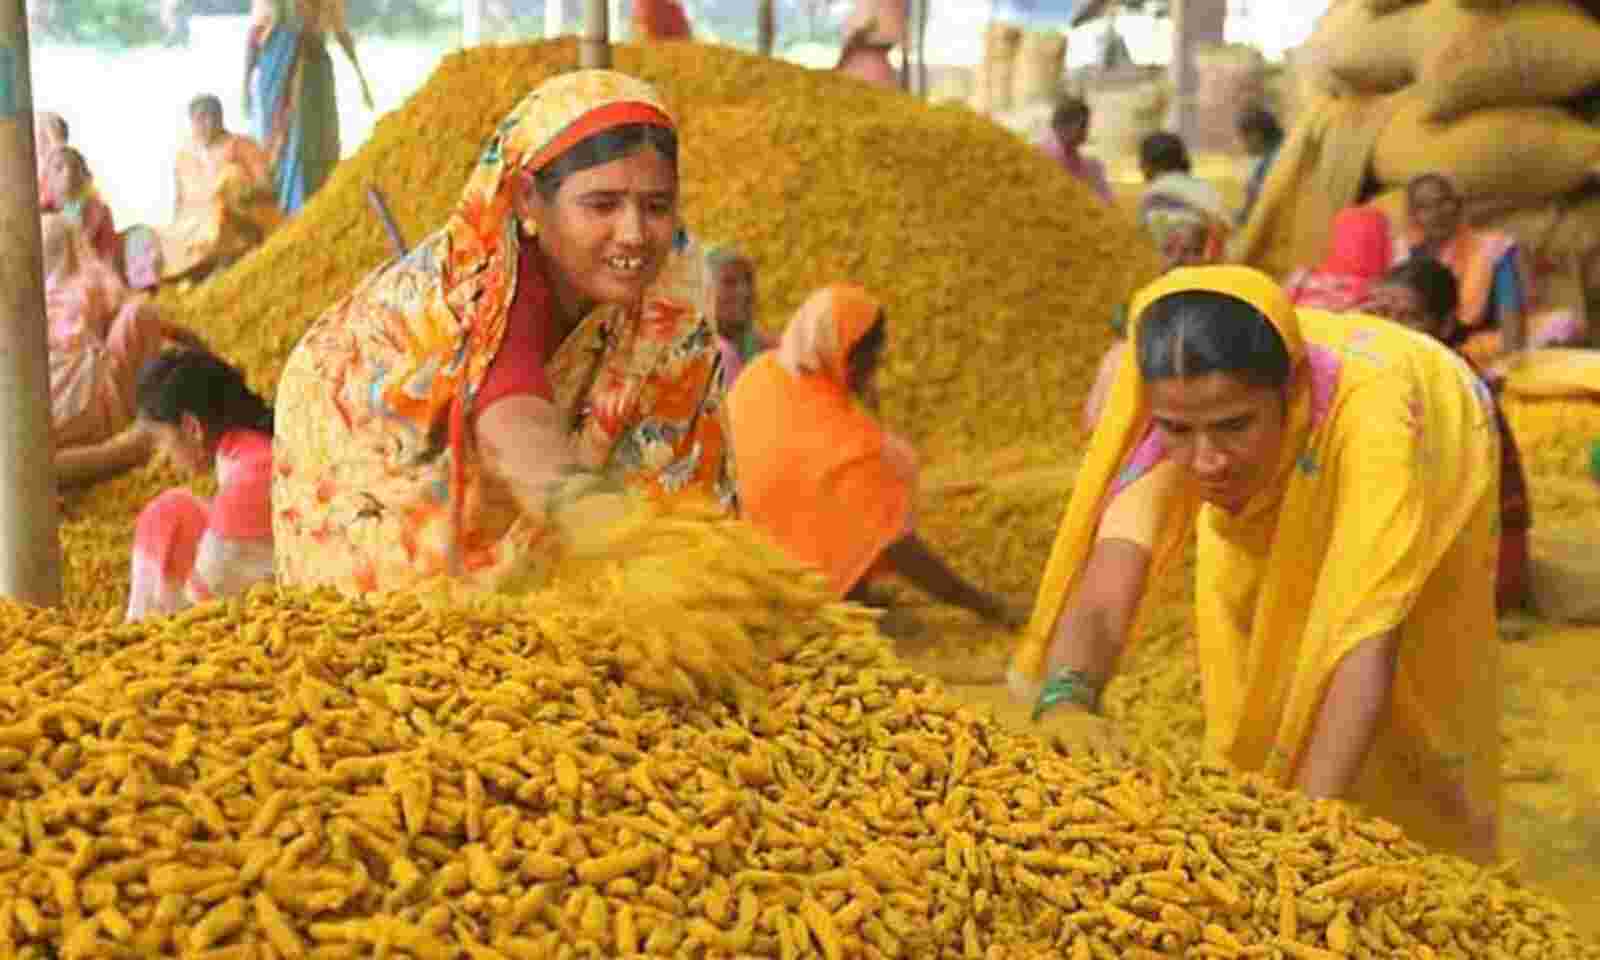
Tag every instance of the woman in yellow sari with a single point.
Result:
(1340, 473)
(435, 421)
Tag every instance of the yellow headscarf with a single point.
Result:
(1380, 517)
(1125, 424)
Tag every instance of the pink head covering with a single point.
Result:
(1360, 246)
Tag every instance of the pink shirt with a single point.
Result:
(1091, 171)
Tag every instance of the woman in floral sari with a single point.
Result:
(293, 90)
(1339, 474)
(224, 201)
(435, 421)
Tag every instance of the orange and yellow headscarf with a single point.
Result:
(816, 471)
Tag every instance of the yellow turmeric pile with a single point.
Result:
(297, 775)
(986, 256)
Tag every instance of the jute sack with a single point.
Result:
(1531, 54)
(1037, 74)
(1501, 157)
(1319, 171)
(1355, 50)
(1000, 42)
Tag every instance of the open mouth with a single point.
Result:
(626, 264)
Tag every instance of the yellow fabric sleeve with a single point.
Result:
(1135, 513)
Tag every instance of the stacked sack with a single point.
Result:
(1491, 93)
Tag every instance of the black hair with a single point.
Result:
(873, 340)
(1437, 179)
(1070, 110)
(1258, 119)
(1163, 152)
(207, 102)
(869, 346)
(1433, 282)
(604, 147)
(1196, 332)
(204, 386)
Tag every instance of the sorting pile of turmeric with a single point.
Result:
(982, 250)
(298, 775)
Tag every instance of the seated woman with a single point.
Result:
(70, 190)
(1497, 290)
(1069, 131)
(655, 20)
(1262, 137)
(197, 410)
(1340, 474)
(436, 420)
(225, 201)
(1174, 196)
(1421, 294)
(874, 28)
(100, 335)
(1358, 256)
(731, 278)
(818, 473)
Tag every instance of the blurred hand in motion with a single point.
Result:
(1077, 732)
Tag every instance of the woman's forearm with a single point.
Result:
(523, 443)
(912, 559)
(1348, 721)
(1088, 636)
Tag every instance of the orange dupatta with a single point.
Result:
(816, 471)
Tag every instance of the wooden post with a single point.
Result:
(552, 19)
(766, 27)
(594, 50)
(1195, 23)
(30, 553)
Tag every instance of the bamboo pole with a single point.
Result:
(766, 27)
(30, 553)
(594, 50)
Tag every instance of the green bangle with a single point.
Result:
(1068, 686)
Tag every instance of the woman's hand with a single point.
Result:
(1077, 732)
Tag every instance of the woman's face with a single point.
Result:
(205, 125)
(182, 443)
(66, 175)
(1435, 209)
(733, 299)
(1223, 431)
(1073, 132)
(608, 230)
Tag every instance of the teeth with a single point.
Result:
(625, 263)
